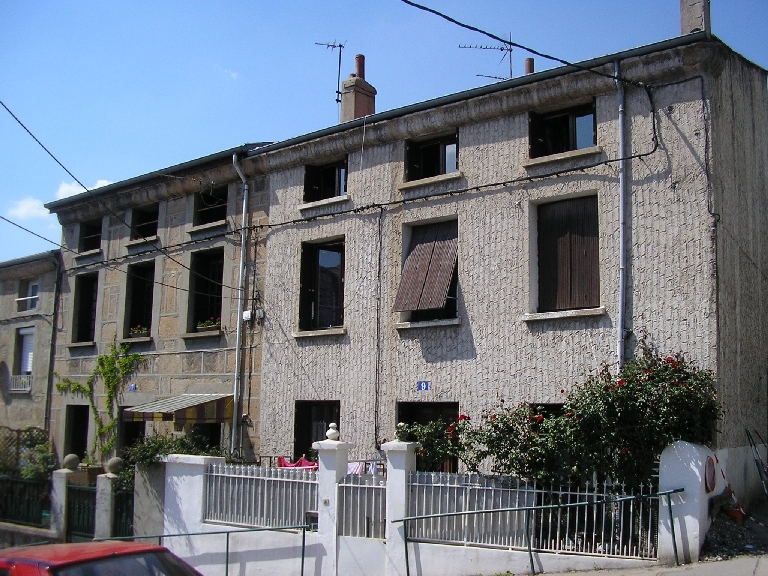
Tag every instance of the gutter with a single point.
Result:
(52, 353)
(621, 332)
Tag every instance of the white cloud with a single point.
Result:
(27, 208)
(232, 74)
(72, 188)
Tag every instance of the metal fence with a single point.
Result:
(20, 383)
(122, 521)
(259, 496)
(362, 506)
(626, 528)
(25, 502)
(81, 511)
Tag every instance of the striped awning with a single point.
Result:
(196, 408)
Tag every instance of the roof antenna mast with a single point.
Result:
(333, 46)
(506, 48)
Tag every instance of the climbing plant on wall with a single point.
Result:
(112, 369)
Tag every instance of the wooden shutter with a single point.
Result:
(428, 268)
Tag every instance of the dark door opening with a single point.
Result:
(311, 424)
(76, 430)
(207, 435)
(129, 433)
(425, 412)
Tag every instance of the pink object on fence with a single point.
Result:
(302, 463)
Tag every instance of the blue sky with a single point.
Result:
(116, 90)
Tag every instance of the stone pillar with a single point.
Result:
(401, 460)
(59, 480)
(105, 502)
(148, 499)
(684, 465)
(332, 458)
(184, 509)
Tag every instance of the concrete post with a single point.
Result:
(149, 499)
(332, 457)
(185, 491)
(684, 465)
(105, 509)
(59, 481)
(401, 460)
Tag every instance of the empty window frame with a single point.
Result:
(25, 348)
(84, 313)
(90, 236)
(322, 285)
(27, 298)
(210, 206)
(569, 270)
(562, 131)
(138, 301)
(311, 422)
(326, 181)
(144, 221)
(431, 157)
(206, 276)
(429, 282)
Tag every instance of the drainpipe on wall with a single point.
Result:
(52, 352)
(237, 439)
(621, 323)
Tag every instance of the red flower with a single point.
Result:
(646, 371)
(451, 428)
(531, 419)
(578, 417)
(620, 382)
(421, 451)
(670, 359)
(562, 390)
(569, 414)
(463, 417)
(539, 418)
(624, 450)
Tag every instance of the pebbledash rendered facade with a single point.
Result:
(438, 258)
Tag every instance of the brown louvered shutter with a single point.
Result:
(428, 268)
(569, 274)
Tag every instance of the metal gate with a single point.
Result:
(122, 521)
(81, 511)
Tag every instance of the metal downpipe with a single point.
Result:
(621, 323)
(236, 440)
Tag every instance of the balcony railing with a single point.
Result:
(21, 383)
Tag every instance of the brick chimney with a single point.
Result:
(694, 17)
(358, 98)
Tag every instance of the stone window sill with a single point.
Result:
(89, 344)
(408, 186)
(325, 202)
(570, 155)
(340, 331)
(88, 253)
(428, 324)
(142, 340)
(193, 335)
(140, 241)
(206, 227)
(564, 314)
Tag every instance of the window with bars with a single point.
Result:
(322, 285)
(138, 301)
(326, 181)
(432, 157)
(569, 272)
(84, 313)
(429, 282)
(144, 221)
(210, 206)
(206, 276)
(27, 298)
(562, 131)
(90, 236)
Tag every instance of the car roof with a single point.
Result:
(62, 554)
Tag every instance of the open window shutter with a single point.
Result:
(415, 269)
(311, 183)
(440, 267)
(535, 136)
(584, 262)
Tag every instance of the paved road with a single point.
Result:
(739, 566)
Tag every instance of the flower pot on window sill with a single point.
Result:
(142, 334)
(215, 328)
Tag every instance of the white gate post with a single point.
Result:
(401, 460)
(332, 458)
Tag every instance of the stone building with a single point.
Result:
(504, 242)
(154, 262)
(28, 291)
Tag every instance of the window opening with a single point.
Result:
(140, 289)
(144, 222)
(562, 131)
(27, 299)
(25, 347)
(424, 413)
(210, 206)
(76, 431)
(206, 434)
(129, 433)
(84, 313)
(322, 285)
(326, 181)
(311, 423)
(432, 157)
(205, 294)
(429, 283)
(90, 235)
(569, 272)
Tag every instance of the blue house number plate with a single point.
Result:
(422, 386)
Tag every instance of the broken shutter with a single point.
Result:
(428, 268)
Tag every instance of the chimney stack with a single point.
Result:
(694, 17)
(358, 98)
(528, 66)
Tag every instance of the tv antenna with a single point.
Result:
(506, 48)
(333, 46)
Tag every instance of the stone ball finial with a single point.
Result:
(71, 462)
(333, 431)
(115, 465)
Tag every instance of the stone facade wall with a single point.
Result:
(496, 351)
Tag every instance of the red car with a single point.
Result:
(110, 558)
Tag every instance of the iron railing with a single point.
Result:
(122, 521)
(81, 510)
(362, 506)
(20, 383)
(258, 496)
(25, 502)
